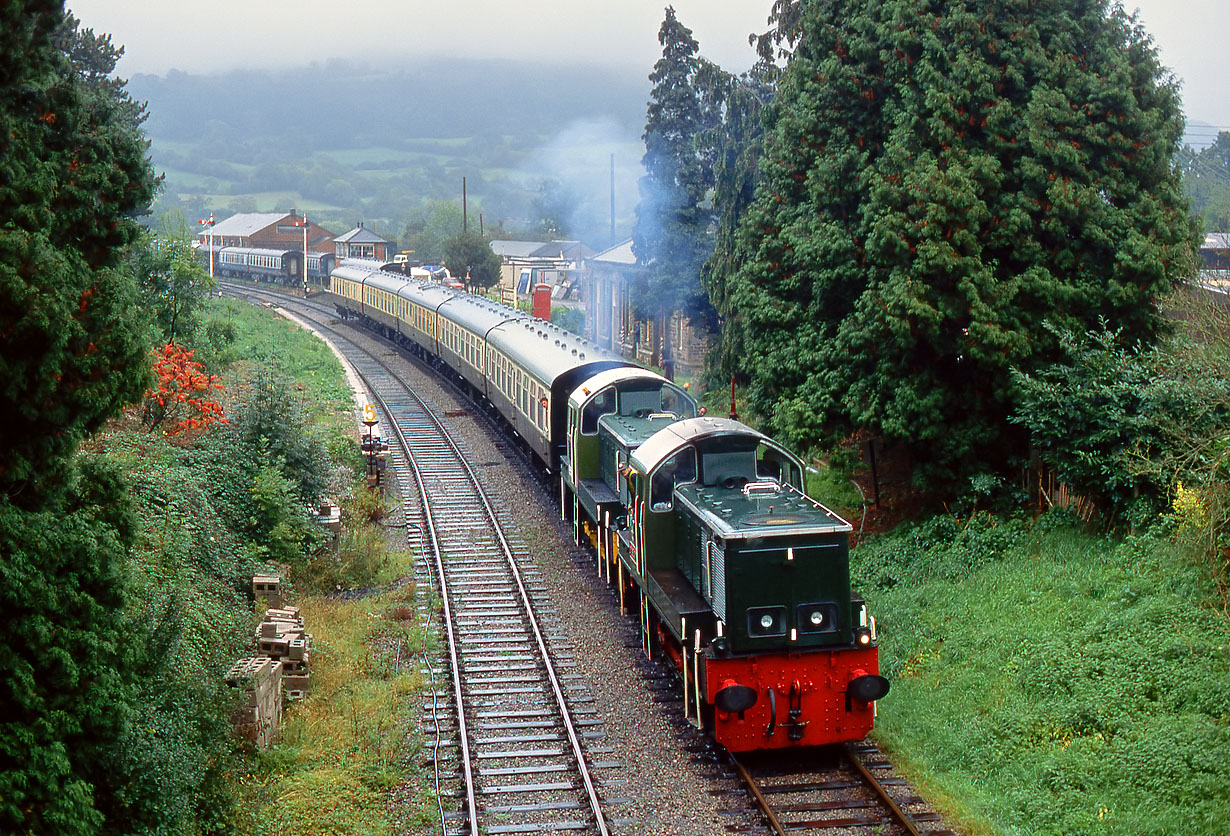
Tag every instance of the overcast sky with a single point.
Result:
(161, 35)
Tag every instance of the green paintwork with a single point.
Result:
(772, 511)
(778, 548)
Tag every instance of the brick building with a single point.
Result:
(611, 323)
(361, 242)
(266, 230)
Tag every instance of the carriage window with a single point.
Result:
(679, 469)
(602, 404)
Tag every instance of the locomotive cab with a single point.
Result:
(609, 416)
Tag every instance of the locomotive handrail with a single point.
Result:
(760, 486)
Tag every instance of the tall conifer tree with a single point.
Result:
(75, 174)
(73, 351)
(939, 179)
(672, 236)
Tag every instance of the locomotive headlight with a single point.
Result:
(766, 621)
(817, 617)
(863, 636)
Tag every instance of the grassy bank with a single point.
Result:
(1047, 681)
(347, 748)
(209, 508)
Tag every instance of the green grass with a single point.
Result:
(264, 339)
(1046, 681)
(344, 748)
(834, 489)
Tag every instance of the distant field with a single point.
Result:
(383, 184)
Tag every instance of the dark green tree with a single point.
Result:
(672, 236)
(735, 145)
(173, 283)
(469, 257)
(73, 350)
(785, 28)
(64, 657)
(938, 180)
(73, 342)
(733, 142)
(94, 58)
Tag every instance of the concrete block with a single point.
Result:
(268, 587)
(295, 682)
(261, 678)
(275, 648)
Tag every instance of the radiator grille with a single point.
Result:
(717, 578)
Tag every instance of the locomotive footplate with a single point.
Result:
(598, 500)
(675, 599)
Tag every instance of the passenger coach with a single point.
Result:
(281, 266)
(524, 367)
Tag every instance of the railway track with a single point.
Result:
(519, 748)
(509, 743)
(834, 790)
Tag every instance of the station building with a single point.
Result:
(361, 242)
(266, 230)
(611, 322)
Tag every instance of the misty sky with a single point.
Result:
(160, 35)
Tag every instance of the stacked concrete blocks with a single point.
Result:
(268, 587)
(258, 717)
(281, 636)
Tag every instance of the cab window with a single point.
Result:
(679, 469)
(674, 402)
(602, 404)
(772, 465)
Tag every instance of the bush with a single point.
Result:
(1103, 412)
(570, 319)
(363, 557)
(189, 615)
(942, 548)
(267, 467)
(1145, 431)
